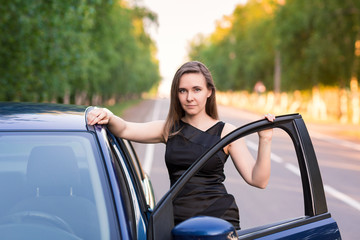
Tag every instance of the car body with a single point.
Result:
(61, 178)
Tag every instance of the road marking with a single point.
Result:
(342, 197)
(150, 148)
(149, 158)
(330, 190)
(254, 147)
(295, 169)
(276, 158)
(292, 168)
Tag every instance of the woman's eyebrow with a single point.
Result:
(193, 87)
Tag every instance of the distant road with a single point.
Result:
(338, 159)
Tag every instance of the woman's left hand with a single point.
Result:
(267, 134)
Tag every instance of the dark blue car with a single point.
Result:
(63, 179)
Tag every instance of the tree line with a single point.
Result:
(286, 44)
(75, 51)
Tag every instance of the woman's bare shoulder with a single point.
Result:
(228, 128)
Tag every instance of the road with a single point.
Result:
(338, 159)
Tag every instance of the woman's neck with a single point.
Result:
(199, 121)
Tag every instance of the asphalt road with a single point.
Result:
(338, 159)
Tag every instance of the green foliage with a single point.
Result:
(52, 50)
(315, 39)
(318, 41)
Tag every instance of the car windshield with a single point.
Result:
(50, 182)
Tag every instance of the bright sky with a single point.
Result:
(179, 22)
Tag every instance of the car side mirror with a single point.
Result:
(203, 228)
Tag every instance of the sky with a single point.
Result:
(179, 21)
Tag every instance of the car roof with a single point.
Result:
(41, 116)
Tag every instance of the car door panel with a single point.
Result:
(318, 227)
(323, 229)
(316, 216)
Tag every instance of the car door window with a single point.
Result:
(134, 159)
(145, 183)
(282, 198)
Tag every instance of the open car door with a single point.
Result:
(316, 223)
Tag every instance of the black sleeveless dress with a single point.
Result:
(205, 193)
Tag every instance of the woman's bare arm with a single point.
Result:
(255, 172)
(149, 132)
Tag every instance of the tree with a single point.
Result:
(58, 50)
(313, 40)
(244, 54)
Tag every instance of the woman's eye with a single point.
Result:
(197, 89)
(181, 90)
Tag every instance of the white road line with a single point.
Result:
(330, 190)
(292, 168)
(150, 148)
(276, 158)
(342, 197)
(295, 169)
(149, 158)
(254, 147)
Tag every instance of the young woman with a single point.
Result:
(192, 127)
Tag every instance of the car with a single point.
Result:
(61, 178)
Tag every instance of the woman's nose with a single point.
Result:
(189, 97)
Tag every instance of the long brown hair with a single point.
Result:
(176, 112)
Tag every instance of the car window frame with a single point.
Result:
(315, 207)
(123, 228)
(133, 157)
(136, 172)
(134, 187)
(144, 180)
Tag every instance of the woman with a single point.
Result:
(192, 127)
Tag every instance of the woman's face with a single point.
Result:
(193, 93)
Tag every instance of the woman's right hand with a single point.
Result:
(99, 116)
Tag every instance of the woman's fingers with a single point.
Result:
(92, 116)
(269, 117)
(98, 116)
